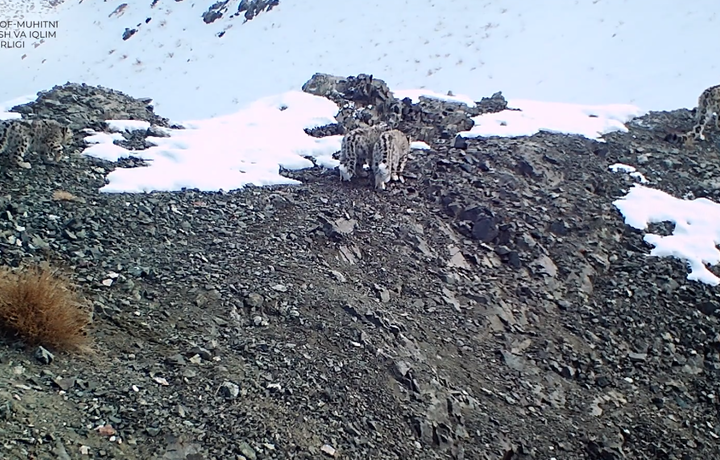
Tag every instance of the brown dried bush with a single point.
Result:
(62, 195)
(42, 308)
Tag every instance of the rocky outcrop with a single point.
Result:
(252, 8)
(364, 100)
(84, 106)
(215, 12)
(248, 8)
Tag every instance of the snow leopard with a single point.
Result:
(708, 106)
(390, 156)
(356, 150)
(42, 136)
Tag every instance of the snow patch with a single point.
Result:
(696, 233)
(419, 145)
(229, 152)
(530, 117)
(5, 114)
(631, 170)
(127, 125)
(414, 95)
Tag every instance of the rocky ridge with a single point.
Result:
(249, 9)
(493, 307)
(364, 101)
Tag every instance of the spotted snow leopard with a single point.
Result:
(356, 150)
(708, 105)
(42, 136)
(390, 156)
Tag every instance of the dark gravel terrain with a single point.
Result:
(495, 306)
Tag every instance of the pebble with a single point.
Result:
(254, 301)
(247, 451)
(328, 450)
(43, 355)
(229, 390)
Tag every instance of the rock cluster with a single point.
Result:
(364, 100)
(84, 106)
(248, 8)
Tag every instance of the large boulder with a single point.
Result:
(363, 89)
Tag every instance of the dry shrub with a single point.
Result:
(42, 308)
(62, 195)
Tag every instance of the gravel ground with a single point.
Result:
(493, 307)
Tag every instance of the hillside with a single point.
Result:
(199, 59)
(496, 306)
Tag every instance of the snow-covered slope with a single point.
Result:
(656, 54)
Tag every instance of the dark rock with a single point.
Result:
(128, 33)
(559, 227)
(176, 360)
(230, 390)
(204, 353)
(333, 129)
(492, 104)
(215, 12)
(709, 308)
(460, 143)
(485, 229)
(474, 213)
(251, 8)
(602, 381)
(43, 355)
(513, 259)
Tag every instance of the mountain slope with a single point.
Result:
(651, 53)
